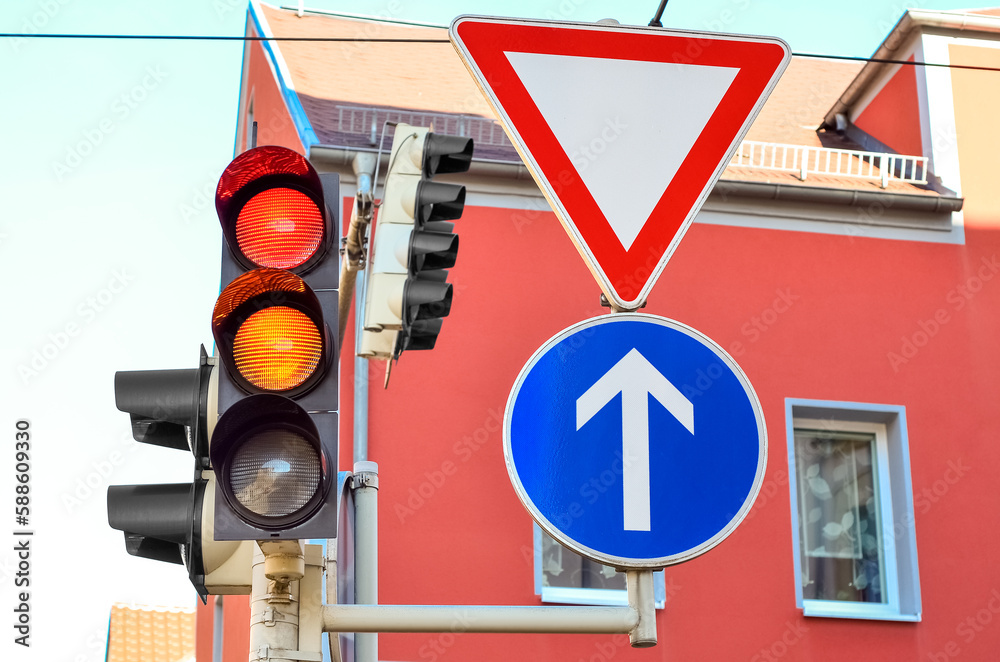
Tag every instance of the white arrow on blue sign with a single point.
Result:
(635, 441)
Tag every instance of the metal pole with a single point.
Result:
(436, 618)
(274, 610)
(638, 620)
(642, 599)
(218, 619)
(364, 166)
(360, 376)
(365, 557)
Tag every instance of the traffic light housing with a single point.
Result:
(260, 418)
(274, 449)
(172, 522)
(408, 293)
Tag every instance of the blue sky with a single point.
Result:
(109, 245)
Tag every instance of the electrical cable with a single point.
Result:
(14, 35)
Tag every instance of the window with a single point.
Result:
(565, 577)
(852, 511)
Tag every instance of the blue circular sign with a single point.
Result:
(634, 440)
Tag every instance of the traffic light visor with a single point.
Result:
(268, 328)
(270, 204)
(444, 154)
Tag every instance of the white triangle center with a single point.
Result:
(626, 125)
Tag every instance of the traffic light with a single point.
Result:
(414, 244)
(173, 522)
(274, 449)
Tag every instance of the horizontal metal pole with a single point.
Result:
(435, 618)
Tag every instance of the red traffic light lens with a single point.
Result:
(280, 228)
(268, 327)
(270, 204)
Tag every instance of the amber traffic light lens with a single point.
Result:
(279, 228)
(277, 348)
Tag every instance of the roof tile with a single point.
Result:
(151, 634)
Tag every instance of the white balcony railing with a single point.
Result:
(878, 166)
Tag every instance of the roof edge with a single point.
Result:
(282, 76)
(836, 196)
(363, 17)
(910, 21)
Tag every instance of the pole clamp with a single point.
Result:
(270, 617)
(266, 653)
(364, 479)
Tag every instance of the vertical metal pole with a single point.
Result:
(642, 599)
(274, 609)
(364, 166)
(366, 552)
(360, 374)
(218, 619)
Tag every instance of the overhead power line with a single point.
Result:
(879, 60)
(181, 37)
(186, 37)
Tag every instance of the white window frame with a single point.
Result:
(895, 494)
(601, 597)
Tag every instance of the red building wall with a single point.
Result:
(453, 531)
(235, 626)
(893, 116)
(274, 122)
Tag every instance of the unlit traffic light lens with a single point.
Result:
(275, 473)
(280, 228)
(277, 348)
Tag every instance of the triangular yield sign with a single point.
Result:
(625, 129)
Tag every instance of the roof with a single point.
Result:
(897, 44)
(150, 634)
(987, 11)
(346, 88)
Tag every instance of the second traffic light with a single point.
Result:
(408, 293)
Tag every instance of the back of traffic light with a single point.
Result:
(173, 522)
(414, 244)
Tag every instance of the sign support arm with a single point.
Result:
(446, 618)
